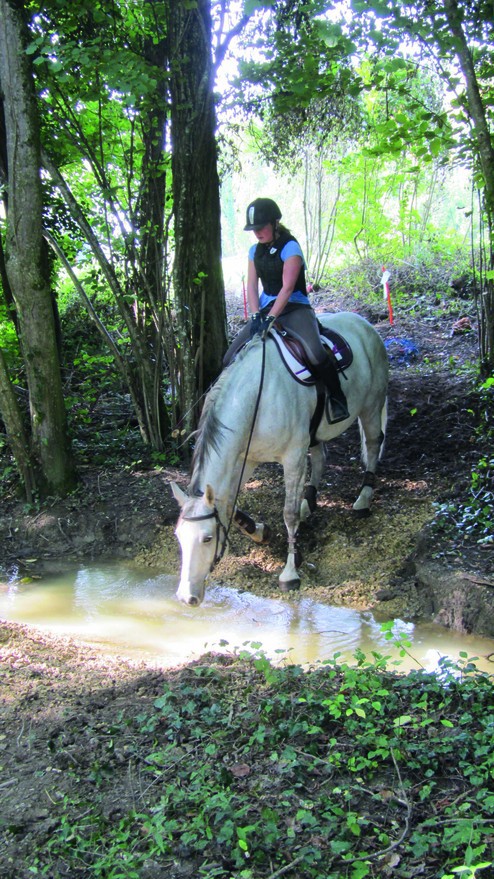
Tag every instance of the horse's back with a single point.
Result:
(360, 335)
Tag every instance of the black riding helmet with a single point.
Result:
(260, 212)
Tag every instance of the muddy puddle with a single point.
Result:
(131, 612)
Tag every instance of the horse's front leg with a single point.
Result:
(259, 532)
(317, 463)
(294, 471)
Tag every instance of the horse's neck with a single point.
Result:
(236, 413)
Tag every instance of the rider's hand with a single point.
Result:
(268, 322)
(260, 324)
(256, 324)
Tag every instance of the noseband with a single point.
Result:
(220, 545)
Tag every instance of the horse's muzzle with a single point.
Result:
(192, 598)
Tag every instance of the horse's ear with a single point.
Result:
(209, 496)
(178, 494)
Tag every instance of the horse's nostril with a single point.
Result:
(193, 602)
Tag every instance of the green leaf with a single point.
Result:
(329, 33)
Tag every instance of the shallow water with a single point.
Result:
(127, 612)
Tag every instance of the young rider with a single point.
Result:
(278, 263)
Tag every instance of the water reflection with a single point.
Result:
(130, 613)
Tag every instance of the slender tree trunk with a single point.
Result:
(14, 426)
(198, 277)
(151, 213)
(485, 152)
(141, 376)
(26, 264)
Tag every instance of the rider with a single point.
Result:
(277, 261)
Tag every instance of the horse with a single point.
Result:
(257, 412)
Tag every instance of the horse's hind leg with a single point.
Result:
(372, 428)
(317, 463)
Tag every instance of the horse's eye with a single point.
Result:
(206, 538)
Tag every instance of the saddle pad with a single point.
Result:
(296, 363)
(338, 346)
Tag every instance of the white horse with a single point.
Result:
(257, 412)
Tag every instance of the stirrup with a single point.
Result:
(336, 410)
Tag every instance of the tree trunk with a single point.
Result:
(485, 152)
(141, 374)
(14, 426)
(26, 264)
(150, 213)
(198, 277)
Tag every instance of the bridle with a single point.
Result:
(220, 547)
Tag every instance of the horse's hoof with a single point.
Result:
(361, 514)
(289, 585)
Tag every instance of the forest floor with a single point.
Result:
(394, 560)
(394, 563)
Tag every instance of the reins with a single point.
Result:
(221, 546)
(256, 409)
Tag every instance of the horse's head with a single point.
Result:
(202, 538)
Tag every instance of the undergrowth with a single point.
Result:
(472, 516)
(250, 771)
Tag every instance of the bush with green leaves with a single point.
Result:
(473, 518)
(251, 771)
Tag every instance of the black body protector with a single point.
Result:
(269, 266)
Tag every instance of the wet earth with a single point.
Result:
(395, 562)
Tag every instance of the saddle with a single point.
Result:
(293, 355)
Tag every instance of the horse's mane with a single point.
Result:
(211, 430)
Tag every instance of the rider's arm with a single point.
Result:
(291, 270)
(252, 287)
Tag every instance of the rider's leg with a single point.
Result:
(303, 322)
(239, 341)
(336, 406)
